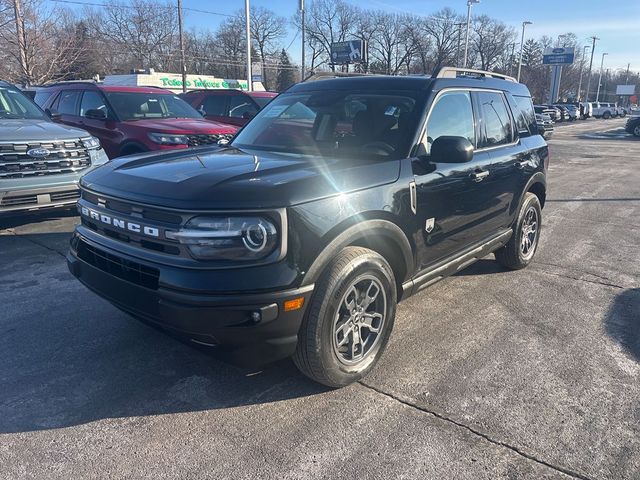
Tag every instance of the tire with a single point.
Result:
(636, 130)
(606, 115)
(513, 255)
(327, 339)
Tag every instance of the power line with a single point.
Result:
(169, 7)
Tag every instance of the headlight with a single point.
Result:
(169, 139)
(91, 143)
(240, 239)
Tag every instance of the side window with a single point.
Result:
(41, 98)
(92, 101)
(452, 115)
(523, 112)
(241, 107)
(67, 102)
(496, 125)
(215, 105)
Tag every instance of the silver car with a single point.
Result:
(40, 161)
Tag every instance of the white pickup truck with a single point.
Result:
(605, 110)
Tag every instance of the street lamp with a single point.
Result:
(600, 77)
(524, 24)
(466, 39)
(247, 19)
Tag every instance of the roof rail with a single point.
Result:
(452, 72)
(328, 75)
(71, 82)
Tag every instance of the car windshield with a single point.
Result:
(15, 105)
(344, 124)
(139, 105)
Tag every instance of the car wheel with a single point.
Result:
(349, 319)
(636, 130)
(522, 245)
(606, 115)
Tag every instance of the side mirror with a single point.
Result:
(96, 114)
(448, 149)
(52, 114)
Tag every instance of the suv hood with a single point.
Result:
(182, 126)
(30, 130)
(214, 178)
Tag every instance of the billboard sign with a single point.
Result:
(351, 51)
(558, 56)
(625, 90)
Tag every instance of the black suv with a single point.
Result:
(340, 198)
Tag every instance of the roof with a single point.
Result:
(5, 84)
(110, 88)
(263, 94)
(365, 82)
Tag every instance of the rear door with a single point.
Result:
(67, 104)
(105, 129)
(506, 158)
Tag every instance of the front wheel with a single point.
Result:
(636, 130)
(349, 320)
(522, 245)
(606, 115)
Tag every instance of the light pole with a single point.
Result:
(302, 28)
(247, 19)
(593, 49)
(459, 25)
(584, 52)
(466, 39)
(524, 24)
(183, 65)
(600, 77)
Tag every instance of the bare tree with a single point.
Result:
(441, 29)
(491, 39)
(329, 21)
(388, 46)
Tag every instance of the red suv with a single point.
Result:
(228, 106)
(130, 119)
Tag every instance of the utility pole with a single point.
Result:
(183, 65)
(302, 28)
(459, 25)
(466, 39)
(584, 52)
(600, 77)
(524, 24)
(593, 49)
(247, 19)
(22, 47)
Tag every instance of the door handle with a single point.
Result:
(479, 175)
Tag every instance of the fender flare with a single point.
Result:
(132, 143)
(359, 232)
(537, 178)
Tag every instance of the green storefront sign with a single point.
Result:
(203, 83)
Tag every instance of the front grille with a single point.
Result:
(197, 140)
(32, 199)
(19, 200)
(64, 157)
(65, 196)
(127, 270)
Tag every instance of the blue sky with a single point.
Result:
(616, 22)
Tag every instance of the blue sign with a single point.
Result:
(558, 56)
(352, 51)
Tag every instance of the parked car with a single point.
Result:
(228, 106)
(570, 111)
(545, 125)
(553, 112)
(300, 236)
(131, 120)
(40, 161)
(604, 110)
(633, 126)
(586, 110)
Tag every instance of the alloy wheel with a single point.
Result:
(529, 235)
(359, 320)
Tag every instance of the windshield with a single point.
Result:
(15, 105)
(335, 124)
(262, 101)
(136, 106)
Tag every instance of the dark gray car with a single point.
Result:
(40, 161)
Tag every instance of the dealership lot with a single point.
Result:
(488, 374)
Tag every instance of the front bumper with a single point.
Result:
(253, 324)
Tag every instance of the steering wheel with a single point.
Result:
(380, 148)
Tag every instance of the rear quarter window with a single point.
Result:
(524, 113)
(42, 97)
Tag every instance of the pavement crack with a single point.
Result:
(607, 282)
(29, 239)
(478, 433)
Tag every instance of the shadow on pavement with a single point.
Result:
(623, 321)
(33, 218)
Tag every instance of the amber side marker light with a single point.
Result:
(293, 304)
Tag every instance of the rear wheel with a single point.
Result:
(349, 320)
(522, 245)
(636, 130)
(606, 115)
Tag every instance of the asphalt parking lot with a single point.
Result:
(488, 374)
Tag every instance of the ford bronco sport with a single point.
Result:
(340, 198)
(40, 161)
